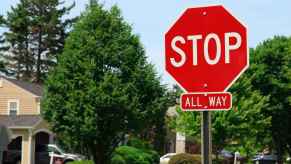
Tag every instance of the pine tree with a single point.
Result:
(35, 35)
(48, 33)
(15, 49)
(2, 63)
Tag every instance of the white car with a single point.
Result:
(66, 156)
(166, 158)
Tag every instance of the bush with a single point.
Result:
(185, 159)
(132, 155)
(117, 159)
(81, 162)
(140, 144)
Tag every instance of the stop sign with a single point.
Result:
(206, 49)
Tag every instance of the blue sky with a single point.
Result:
(152, 18)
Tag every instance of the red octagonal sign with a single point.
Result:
(206, 49)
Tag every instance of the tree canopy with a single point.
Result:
(272, 71)
(34, 34)
(102, 87)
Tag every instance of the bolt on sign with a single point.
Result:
(205, 52)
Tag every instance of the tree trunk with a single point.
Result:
(27, 74)
(279, 154)
(38, 61)
(18, 69)
(99, 155)
(279, 148)
(99, 158)
(159, 136)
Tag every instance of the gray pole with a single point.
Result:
(206, 148)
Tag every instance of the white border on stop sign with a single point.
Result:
(203, 110)
(241, 22)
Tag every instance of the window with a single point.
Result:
(13, 107)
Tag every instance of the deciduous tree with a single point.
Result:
(103, 87)
(272, 70)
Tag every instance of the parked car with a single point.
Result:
(226, 154)
(166, 158)
(42, 155)
(47, 150)
(263, 158)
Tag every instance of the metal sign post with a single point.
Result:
(206, 148)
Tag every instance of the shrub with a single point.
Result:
(185, 159)
(132, 155)
(117, 159)
(138, 143)
(81, 162)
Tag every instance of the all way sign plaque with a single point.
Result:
(206, 101)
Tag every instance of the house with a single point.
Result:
(20, 113)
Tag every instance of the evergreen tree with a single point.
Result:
(2, 63)
(35, 35)
(103, 87)
(15, 48)
(48, 33)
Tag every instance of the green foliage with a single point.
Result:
(132, 155)
(245, 128)
(138, 143)
(117, 159)
(272, 71)
(260, 116)
(35, 34)
(3, 69)
(185, 159)
(103, 87)
(15, 40)
(81, 162)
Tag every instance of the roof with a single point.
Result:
(20, 120)
(30, 87)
